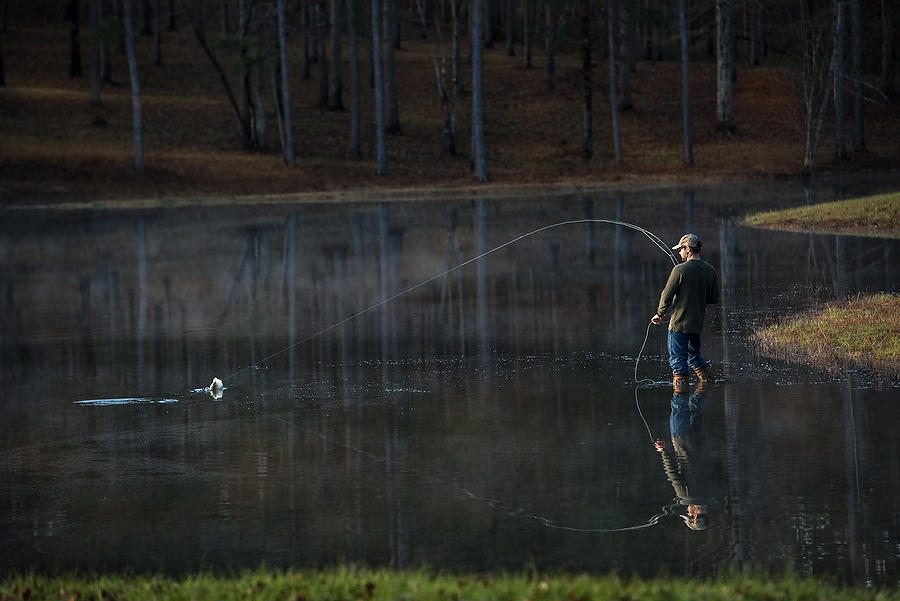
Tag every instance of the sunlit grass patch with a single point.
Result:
(350, 584)
(871, 215)
(863, 331)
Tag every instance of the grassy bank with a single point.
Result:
(351, 584)
(869, 216)
(864, 331)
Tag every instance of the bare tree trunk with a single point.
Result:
(146, 18)
(840, 147)
(493, 21)
(157, 34)
(274, 72)
(887, 48)
(627, 26)
(120, 15)
(456, 8)
(73, 14)
(392, 114)
(173, 25)
(817, 81)
(724, 66)
(96, 62)
(285, 87)
(645, 28)
(587, 148)
(756, 19)
(243, 125)
(335, 95)
(550, 11)
(355, 146)
(685, 82)
(2, 68)
(859, 135)
(380, 141)
(248, 111)
(264, 55)
(106, 51)
(611, 17)
(308, 26)
(321, 23)
(435, 41)
(528, 32)
(225, 12)
(261, 123)
(479, 150)
(510, 27)
(137, 121)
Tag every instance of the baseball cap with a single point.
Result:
(691, 240)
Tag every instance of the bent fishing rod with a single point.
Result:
(650, 235)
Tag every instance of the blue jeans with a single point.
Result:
(684, 352)
(687, 414)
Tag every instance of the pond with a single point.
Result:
(502, 415)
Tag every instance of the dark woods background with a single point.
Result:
(730, 86)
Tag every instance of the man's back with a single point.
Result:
(691, 286)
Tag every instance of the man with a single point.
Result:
(687, 464)
(691, 286)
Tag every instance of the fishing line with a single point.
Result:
(427, 476)
(642, 382)
(520, 512)
(650, 235)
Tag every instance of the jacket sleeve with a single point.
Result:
(712, 296)
(668, 293)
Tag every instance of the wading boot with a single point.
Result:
(704, 374)
(702, 388)
(680, 383)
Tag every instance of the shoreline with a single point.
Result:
(845, 335)
(438, 192)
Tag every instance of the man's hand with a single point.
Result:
(656, 319)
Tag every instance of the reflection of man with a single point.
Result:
(691, 286)
(687, 463)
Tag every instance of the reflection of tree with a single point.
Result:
(483, 335)
(142, 293)
(447, 313)
(851, 458)
(289, 288)
(729, 278)
(394, 433)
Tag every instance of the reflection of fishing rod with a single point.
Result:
(523, 513)
(650, 235)
(512, 511)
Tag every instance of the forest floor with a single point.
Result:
(58, 146)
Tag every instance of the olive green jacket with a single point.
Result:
(691, 286)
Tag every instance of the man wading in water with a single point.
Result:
(692, 285)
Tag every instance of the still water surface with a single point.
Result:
(490, 419)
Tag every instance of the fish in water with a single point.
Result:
(216, 388)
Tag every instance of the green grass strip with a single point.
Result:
(871, 216)
(864, 330)
(352, 584)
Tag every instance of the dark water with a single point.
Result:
(487, 420)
